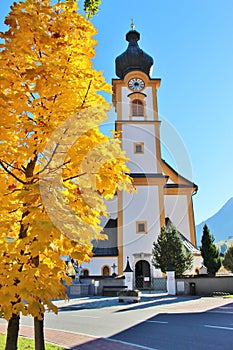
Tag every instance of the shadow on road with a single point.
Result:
(105, 344)
(208, 330)
(89, 303)
(101, 302)
(147, 302)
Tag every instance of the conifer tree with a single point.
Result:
(228, 259)
(210, 252)
(169, 251)
(56, 167)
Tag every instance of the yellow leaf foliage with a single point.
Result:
(56, 167)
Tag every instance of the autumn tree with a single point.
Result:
(91, 7)
(56, 167)
(169, 250)
(209, 252)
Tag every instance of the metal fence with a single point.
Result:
(154, 284)
(159, 284)
(141, 284)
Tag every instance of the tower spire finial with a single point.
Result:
(132, 25)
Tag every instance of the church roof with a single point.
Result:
(189, 247)
(133, 58)
(107, 247)
(179, 180)
(147, 175)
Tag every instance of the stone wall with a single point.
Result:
(96, 283)
(201, 285)
(78, 290)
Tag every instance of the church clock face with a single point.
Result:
(136, 84)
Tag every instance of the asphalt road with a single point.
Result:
(158, 322)
(182, 331)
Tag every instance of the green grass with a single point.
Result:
(27, 344)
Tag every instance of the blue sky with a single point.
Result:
(191, 42)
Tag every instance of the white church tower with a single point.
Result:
(162, 193)
(140, 215)
(163, 196)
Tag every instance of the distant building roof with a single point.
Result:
(187, 244)
(107, 247)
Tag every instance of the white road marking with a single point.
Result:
(219, 327)
(156, 321)
(79, 316)
(132, 344)
(220, 312)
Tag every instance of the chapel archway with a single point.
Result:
(142, 275)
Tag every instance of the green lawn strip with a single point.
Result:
(27, 344)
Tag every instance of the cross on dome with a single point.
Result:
(132, 25)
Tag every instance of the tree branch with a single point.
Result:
(60, 166)
(87, 92)
(16, 190)
(74, 177)
(51, 158)
(11, 166)
(12, 174)
(49, 161)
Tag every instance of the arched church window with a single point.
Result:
(137, 108)
(86, 272)
(106, 271)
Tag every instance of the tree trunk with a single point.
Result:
(12, 333)
(39, 333)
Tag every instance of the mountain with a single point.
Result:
(220, 224)
(224, 245)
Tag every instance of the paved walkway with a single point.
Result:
(72, 340)
(75, 341)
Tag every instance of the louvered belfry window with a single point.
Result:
(138, 108)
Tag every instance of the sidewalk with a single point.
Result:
(75, 341)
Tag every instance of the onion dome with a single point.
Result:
(133, 58)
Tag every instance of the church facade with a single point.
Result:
(163, 195)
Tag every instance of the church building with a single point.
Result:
(163, 196)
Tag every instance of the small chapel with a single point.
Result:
(163, 195)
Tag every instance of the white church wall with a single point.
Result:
(149, 103)
(141, 206)
(176, 208)
(96, 264)
(156, 273)
(197, 263)
(145, 162)
(125, 104)
(170, 181)
(112, 208)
